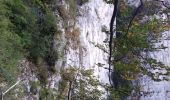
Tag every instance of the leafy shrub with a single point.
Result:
(27, 29)
(133, 38)
(10, 46)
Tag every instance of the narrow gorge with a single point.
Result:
(61, 50)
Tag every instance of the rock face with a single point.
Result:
(92, 47)
(81, 42)
(152, 90)
(86, 46)
(93, 16)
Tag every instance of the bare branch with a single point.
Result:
(69, 91)
(11, 87)
(134, 15)
(111, 35)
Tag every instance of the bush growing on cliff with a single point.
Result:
(79, 83)
(27, 29)
(137, 30)
(10, 46)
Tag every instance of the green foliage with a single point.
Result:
(67, 77)
(27, 29)
(72, 8)
(46, 94)
(35, 26)
(34, 87)
(132, 41)
(10, 46)
(84, 84)
(122, 91)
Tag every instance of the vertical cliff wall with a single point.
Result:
(157, 90)
(89, 46)
(82, 41)
(93, 17)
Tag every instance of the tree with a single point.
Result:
(79, 83)
(137, 29)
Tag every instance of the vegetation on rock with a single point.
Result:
(137, 31)
(27, 30)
